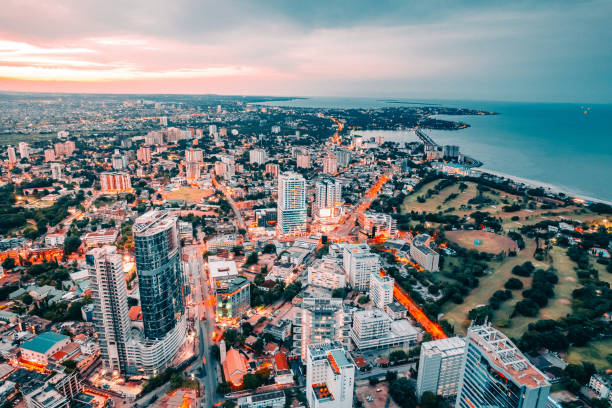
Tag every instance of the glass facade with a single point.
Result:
(160, 277)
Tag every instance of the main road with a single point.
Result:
(228, 196)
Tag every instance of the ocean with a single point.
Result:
(562, 145)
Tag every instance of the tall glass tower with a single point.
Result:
(160, 277)
(496, 374)
(291, 203)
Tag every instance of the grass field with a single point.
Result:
(489, 242)
(595, 352)
(189, 194)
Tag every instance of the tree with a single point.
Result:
(71, 244)
(252, 259)
(391, 376)
(397, 356)
(230, 336)
(259, 279)
(479, 314)
(513, 284)
(430, 400)
(247, 328)
(223, 388)
(8, 264)
(215, 351)
(70, 365)
(250, 381)
(402, 392)
(339, 293)
(132, 301)
(27, 299)
(363, 299)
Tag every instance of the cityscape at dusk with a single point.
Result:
(274, 204)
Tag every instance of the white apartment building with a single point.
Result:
(257, 156)
(328, 194)
(303, 161)
(110, 315)
(423, 254)
(12, 155)
(330, 164)
(330, 376)
(374, 329)
(440, 366)
(24, 150)
(56, 171)
(377, 224)
(115, 182)
(321, 318)
(381, 290)
(291, 203)
(326, 273)
(359, 263)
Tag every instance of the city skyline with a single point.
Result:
(512, 51)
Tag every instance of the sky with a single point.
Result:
(557, 51)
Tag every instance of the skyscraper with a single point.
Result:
(330, 164)
(440, 366)
(160, 278)
(328, 193)
(330, 376)
(291, 203)
(110, 314)
(496, 374)
(381, 290)
(56, 171)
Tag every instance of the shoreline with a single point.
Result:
(537, 184)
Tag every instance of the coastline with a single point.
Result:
(537, 184)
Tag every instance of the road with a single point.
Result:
(227, 193)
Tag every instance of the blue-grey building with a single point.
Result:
(160, 277)
(496, 374)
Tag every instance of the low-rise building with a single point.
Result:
(39, 349)
(374, 329)
(326, 273)
(272, 399)
(423, 254)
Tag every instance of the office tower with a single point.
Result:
(233, 298)
(343, 156)
(273, 169)
(373, 329)
(359, 263)
(110, 315)
(423, 254)
(381, 290)
(440, 366)
(257, 156)
(330, 376)
(303, 161)
(322, 318)
(24, 150)
(291, 203)
(328, 194)
(160, 278)
(144, 155)
(115, 182)
(330, 164)
(56, 171)
(496, 374)
(49, 155)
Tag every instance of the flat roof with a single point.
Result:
(43, 342)
(222, 269)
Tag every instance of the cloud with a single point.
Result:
(549, 50)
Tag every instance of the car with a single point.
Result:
(378, 390)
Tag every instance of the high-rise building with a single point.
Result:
(257, 156)
(330, 376)
(110, 314)
(118, 161)
(193, 171)
(326, 273)
(328, 194)
(273, 169)
(330, 164)
(194, 155)
(373, 329)
(266, 217)
(56, 171)
(144, 155)
(233, 298)
(496, 374)
(376, 225)
(69, 147)
(423, 254)
(450, 151)
(49, 155)
(160, 278)
(24, 150)
(343, 156)
(115, 182)
(303, 161)
(291, 203)
(12, 156)
(359, 263)
(440, 366)
(163, 121)
(381, 290)
(321, 318)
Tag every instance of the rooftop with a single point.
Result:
(43, 342)
(222, 269)
(448, 347)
